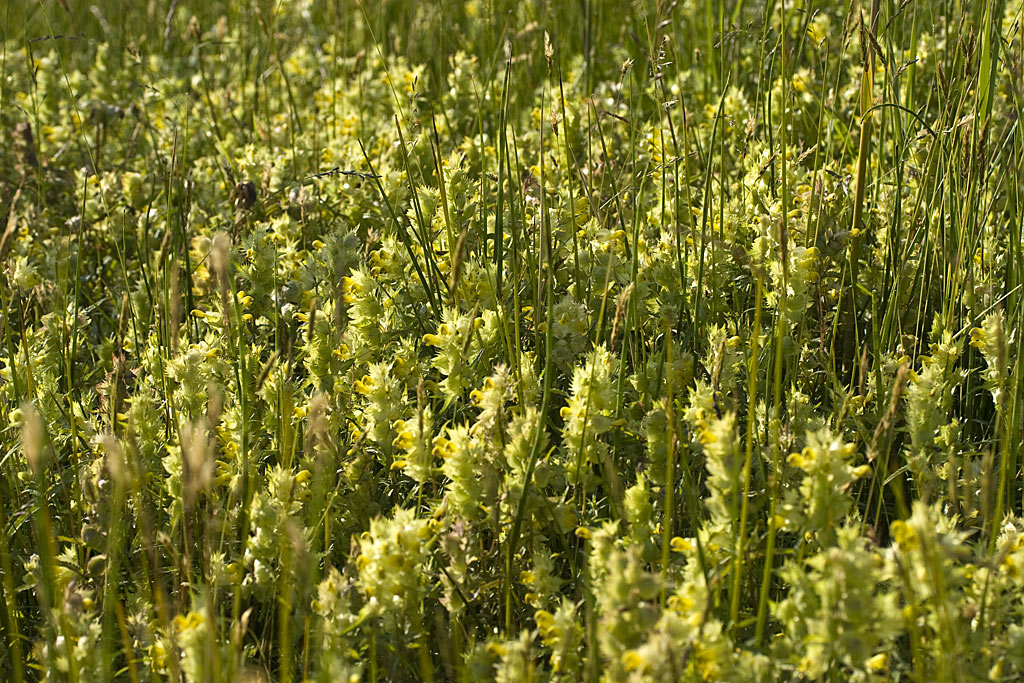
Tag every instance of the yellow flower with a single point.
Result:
(977, 338)
(365, 385)
(681, 545)
(633, 660)
(405, 440)
(187, 622)
(879, 662)
(903, 534)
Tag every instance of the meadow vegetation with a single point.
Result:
(511, 340)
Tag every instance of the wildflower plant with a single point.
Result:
(511, 341)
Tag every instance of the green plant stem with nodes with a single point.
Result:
(741, 537)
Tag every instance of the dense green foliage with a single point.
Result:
(511, 340)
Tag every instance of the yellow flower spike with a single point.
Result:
(301, 317)
(565, 412)
(246, 317)
(399, 464)
(583, 532)
(199, 314)
(861, 471)
(303, 476)
(526, 576)
(431, 340)
(478, 323)
(733, 341)
(476, 396)
(545, 620)
(212, 353)
(444, 330)
(300, 412)
(317, 244)
(121, 417)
